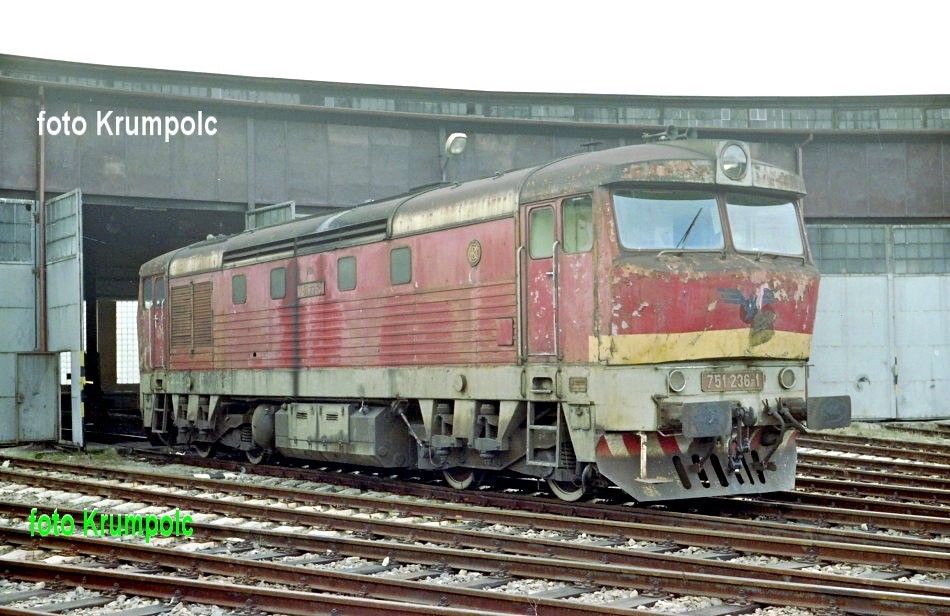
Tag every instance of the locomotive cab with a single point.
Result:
(709, 305)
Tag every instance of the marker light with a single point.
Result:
(786, 378)
(676, 380)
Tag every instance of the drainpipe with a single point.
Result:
(800, 149)
(41, 228)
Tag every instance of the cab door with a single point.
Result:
(540, 302)
(157, 322)
(144, 325)
(574, 277)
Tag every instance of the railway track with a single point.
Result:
(932, 453)
(831, 502)
(93, 575)
(911, 553)
(637, 551)
(900, 468)
(603, 563)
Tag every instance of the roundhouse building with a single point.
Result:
(877, 172)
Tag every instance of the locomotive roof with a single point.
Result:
(442, 206)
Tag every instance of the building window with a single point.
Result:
(239, 288)
(278, 283)
(400, 265)
(577, 220)
(879, 249)
(126, 344)
(921, 249)
(346, 273)
(759, 115)
(541, 230)
(16, 230)
(849, 249)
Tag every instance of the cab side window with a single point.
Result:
(159, 291)
(541, 232)
(577, 222)
(146, 293)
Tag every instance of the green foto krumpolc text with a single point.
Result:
(98, 524)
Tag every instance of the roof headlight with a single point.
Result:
(734, 161)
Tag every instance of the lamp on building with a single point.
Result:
(454, 146)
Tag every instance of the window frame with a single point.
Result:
(283, 270)
(564, 201)
(147, 293)
(554, 231)
(392, 279)
(724, 227)
(339, 285)
(796, 202)
(234, 299)
(159, 288)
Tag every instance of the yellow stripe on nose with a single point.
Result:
(658, 348)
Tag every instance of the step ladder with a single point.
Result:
(539, 437)
(160, 414)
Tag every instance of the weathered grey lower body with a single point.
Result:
(582, 424)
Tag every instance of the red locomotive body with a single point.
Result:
(638, 316)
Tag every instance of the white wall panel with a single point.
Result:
(851, 350)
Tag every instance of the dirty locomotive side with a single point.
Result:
(639, 316)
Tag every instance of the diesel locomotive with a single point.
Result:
(638, 316)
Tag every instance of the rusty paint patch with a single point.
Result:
(775, 178)
(671, 171)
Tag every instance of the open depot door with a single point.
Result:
(64, 296)
(29, 380)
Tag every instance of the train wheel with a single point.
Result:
(205, 450)
(255, 456)
(462, 478)
(566, 490)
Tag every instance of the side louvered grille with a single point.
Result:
(201, 314)
(191, 317)
(181, 318)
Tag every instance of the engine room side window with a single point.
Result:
(278, 283)
(238, 289)
(668, 220)
(541, 233)
(400, 265)
(577, 222)
(346, 273)
(146, 293)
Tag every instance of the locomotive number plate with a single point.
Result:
(737, 380)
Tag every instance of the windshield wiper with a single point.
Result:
(689, 228)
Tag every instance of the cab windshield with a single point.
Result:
(764, 224)
(657, 219)
(668, 220)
